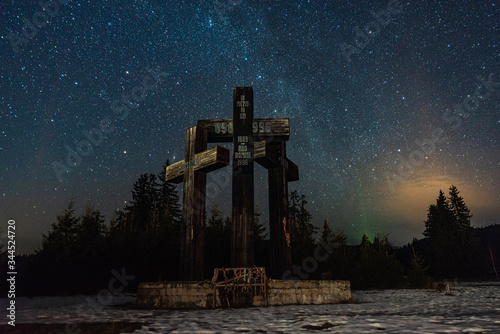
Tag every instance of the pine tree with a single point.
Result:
(56, 260)
(326, 234)
(461, 212)
(58, 243)
(453, 246)
(90, 231)
(441, 232)
(376, 265)
(417, 274)
(467, 247)
(365, 242)
(440, 218)
(301, 229)
(144, 200)
(304, 220)
(168, 201)
(339, 261)
(217, 240)
(343, 256)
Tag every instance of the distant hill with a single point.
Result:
(489, 239)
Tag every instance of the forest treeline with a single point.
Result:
(79, 251)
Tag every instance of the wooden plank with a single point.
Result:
(268, 129)
(242, 246)
(212, 159)
(281, 260)
(206, 161)
(268, 157)
(175, 172)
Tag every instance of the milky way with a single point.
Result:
(389, 101)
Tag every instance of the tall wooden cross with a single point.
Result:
(280, 171)
(262, 141)
(192, 171)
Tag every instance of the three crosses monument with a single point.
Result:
(261, 140)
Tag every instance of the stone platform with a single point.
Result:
(203, 295)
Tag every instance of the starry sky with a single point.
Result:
(389, 101)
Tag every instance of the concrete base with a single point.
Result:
(200, 295)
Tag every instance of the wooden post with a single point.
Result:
(192, 249)
(242, 239)
(279, 229)
(192, 172)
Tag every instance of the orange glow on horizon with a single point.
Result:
(413, 195)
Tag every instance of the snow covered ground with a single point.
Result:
(472, 308)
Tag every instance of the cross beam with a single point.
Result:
(268, 129)
(192, 170)
(270, 156)
(206, 161)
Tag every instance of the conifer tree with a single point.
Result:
(168, 201)
(56, 259)
(417, 274)
(461, 212)
(440, 219)
(467, 248)
(453, 246)
(326, 234)
(217, 240)
(365, 242)
(90, 231)
(376, 265)
(144, 200)
(301, 229)
(340, 260)
(58, 243)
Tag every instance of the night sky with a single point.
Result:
(388, 102)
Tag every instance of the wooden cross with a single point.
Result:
(192, 171)
(280, 171)
(262, 140)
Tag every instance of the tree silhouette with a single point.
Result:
(217, 241)
(301, 229)
(326, 233)
(339, 262)
(417, 274)
(376, 265)
(168, 201)
(59, 241)
(90, 231)
(453, 247)
(144, 201)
